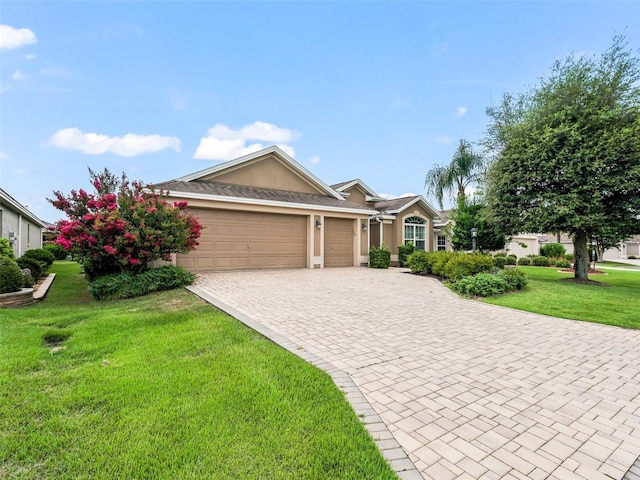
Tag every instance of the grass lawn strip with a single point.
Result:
(164, 386)
(618, 304)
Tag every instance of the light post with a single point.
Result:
(474, 234)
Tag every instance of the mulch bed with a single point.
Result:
(592, 271)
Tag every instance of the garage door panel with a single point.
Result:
(243, 240)
(338, 242)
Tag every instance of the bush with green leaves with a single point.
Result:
(56, 250)
(524, 261)
(403, 252)
(5, 248)
(563, 263)
(418, 262)
(632, 257)
(27, 279)
(540, 261)
(439, 260)
(379, 257)
(500, 262)
(512, 259)
(500, 254)
(481, 285)
(128, 285)
(569, 256)
(41, 255)
(552, 250)
(11, 278)
(464, 264)
(515, 279)
(37, 268)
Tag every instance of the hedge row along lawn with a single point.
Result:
(616, 304)
(164, 386)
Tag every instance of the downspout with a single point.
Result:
(368, 241)
(19, 235)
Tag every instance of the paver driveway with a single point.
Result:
(469, 390)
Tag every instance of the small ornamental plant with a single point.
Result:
(123, 226)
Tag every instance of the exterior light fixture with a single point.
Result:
(474, 234)
(364, 226)
(318, 223)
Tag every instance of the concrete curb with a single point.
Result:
(386, 442)
(44, 288)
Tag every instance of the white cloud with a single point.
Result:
(30, 56)
(128, 145)
(461, 111)
(445, 139)
(314, 160)
(224, 143)
(15, 37)
(18, 75)
(389, 196)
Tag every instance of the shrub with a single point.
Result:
(41, 255)
(5, 248)
(500, 254)
(569, 256)
(439, 260)
(481, 285)
(11, 278)
(563, 263)
(632, 257)
(418, 262)
(512, 259)
(27, 279)
(36, 267)
(500, 262)
(127, 285)
(524, 261)
(464, 264)
(56, 250)
(514, 278)
(540, 261)
(552, 250)
(379, 257)
(403, 252)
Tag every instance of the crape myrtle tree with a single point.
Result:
(567, 152)
(123, 226)
(470, 213)
(466, 167)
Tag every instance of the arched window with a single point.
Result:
(415, 232)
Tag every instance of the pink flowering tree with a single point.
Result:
(123, 226)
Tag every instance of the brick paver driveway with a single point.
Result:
(469, 390)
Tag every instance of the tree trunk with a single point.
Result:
(580, 256)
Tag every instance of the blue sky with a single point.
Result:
(374, 90)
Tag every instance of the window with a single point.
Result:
(442, 242)
(414, 232)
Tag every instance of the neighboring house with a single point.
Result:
(265, 210)
(19, 225)
(444, 231)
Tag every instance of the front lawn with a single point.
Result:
(618, 304)
(164, 386)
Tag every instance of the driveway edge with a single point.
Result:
(385, 441)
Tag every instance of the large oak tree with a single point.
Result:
(567, 152)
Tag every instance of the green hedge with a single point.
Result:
(450, 265)
(128, 285)
(37, 268)
(524, 261)
(41, 255)
(5, 248)
(540, 261)
(403, 253)
(57, 251)
(11, 278)
(379, 257)
(488, 284)
(553, 250)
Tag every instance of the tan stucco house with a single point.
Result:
(19, 225)
(265, 210)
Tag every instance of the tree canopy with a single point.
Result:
(470, 213)
(567, 152)
(465, 168)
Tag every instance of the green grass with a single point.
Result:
(618, 304)
(609, 263)
(164, 386)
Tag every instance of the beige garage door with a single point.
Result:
(244, 240)
(338, 242)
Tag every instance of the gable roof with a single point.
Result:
(258, 195)
(397, 205)
(299, 169)
(6, 199)
(342, 186)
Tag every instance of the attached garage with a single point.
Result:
(338, 242)
(233, 240)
